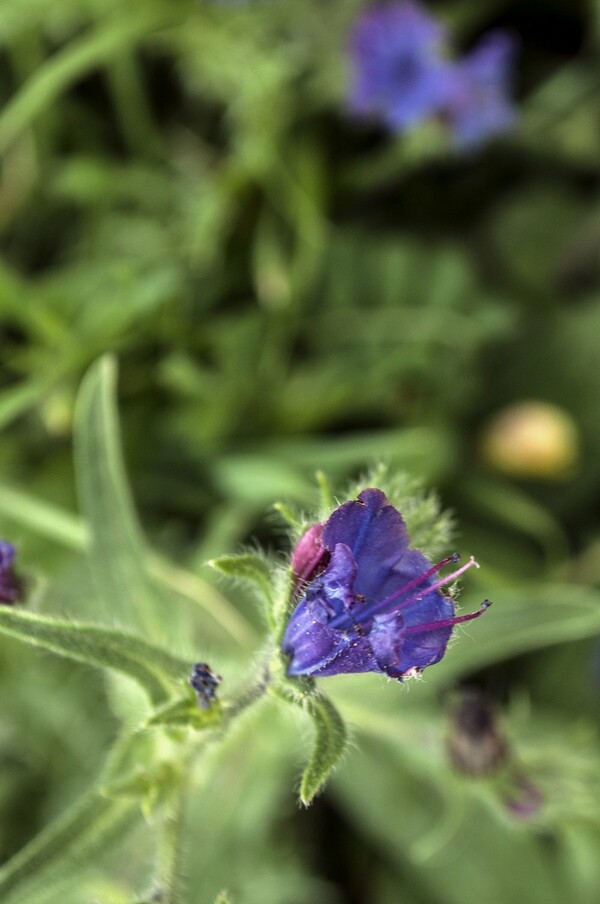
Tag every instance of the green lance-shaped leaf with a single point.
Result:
(117, 550)
(330, 735)
(44, 518)
(246, 567)
(292, 518)
(251, 569)
(328, 746)
(153, 668)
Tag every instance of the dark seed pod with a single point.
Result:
(205, 683)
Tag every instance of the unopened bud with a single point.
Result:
(205, 683)
(309, 556)
(476, 744)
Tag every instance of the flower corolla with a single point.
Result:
(403, 73)
(399, 71)
(371, 604)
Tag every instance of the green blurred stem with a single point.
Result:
(281, 606)
(131, 107)
(171, 847)
(26, 57)
(326, 499)
(171, 850)
(94, 821)
(88, 826)
(250, 696)
(18, 399)
(69, 64)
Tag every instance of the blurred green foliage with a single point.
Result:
(288, 290)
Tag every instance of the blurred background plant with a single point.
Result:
(289, 287)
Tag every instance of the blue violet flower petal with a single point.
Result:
(403, 73)
(398, 65)
(478, 104)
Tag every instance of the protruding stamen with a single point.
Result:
(390, 602)
(450, 577)
(411, 585)
(447, 622)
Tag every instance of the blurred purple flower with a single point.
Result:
(402, 74)
(10, 586)
(478, 103)
(377, 606)
(399, 72)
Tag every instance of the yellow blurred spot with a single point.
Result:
(57, 412)
(532, 439)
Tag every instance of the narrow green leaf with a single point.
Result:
(249, 568)
(512, 506)
(117, 551)
(64, 527)
(329, 744)
(43, 518)
(419, 449)
(289, 516)
(152, 667)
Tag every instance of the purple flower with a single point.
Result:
(402, 74)
(478, 103)
(399, 72)
(378, 605)
(10, 586)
